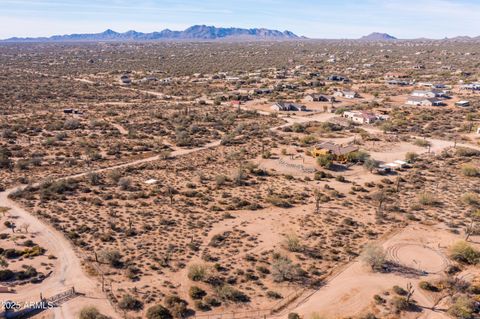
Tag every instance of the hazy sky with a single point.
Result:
(312, 18)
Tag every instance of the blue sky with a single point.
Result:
(312, 18)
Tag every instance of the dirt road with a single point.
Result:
(69, 272)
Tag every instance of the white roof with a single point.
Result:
(400, 162)
(151, 181)
(392, 165)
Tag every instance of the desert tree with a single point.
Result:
(374, 256)
(410, 290)
(473, 227)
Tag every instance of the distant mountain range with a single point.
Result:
(376, 36)
(196, 32)
(209, 33)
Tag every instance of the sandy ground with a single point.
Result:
(352, 290)
(68, 274)
(345, 288)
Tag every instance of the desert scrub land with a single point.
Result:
(184, 192)
(194, 226)
(41, 140)
(22, 259)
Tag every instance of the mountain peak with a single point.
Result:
(109, 32)
(377, 36)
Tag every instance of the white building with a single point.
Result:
(346, 94)
(288, 106)
(423, 101)
(361, 117)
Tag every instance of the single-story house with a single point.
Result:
(361, 117)
(398, 164)
(288, 106)
(462, 103)
(340, 152)
(471, 86)
(149, 79)
(72, 111)
(337, 78)
(423, 101)
(346, 94)
(317, 98)
(398, 82)
(420, 93)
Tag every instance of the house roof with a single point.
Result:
(423, 99)
(422, 92)
(363, 114)
(336, 148)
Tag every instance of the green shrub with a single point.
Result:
(425, 285)
(463, 307)
(91, 313)
(470, 170)
(411, 157)
(427, 199)
(197, 292)
(293, 315)
(400, 291)
(158, 312)
(128, 302)
(274, 295)
(227, 292)
(325, 161)
(463, 252)
(197, 272)
(421, 143)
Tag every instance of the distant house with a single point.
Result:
(316, 98)
(149, 79)
(424, 101)
(427, 94)
(419, 67)
(72, 111)
(430, 93)
(398, 82)
(339, 152)
(471, 87)
(166, 80)
(462, 103)
(337, 78)
(361, 117)
(125, 80)
(232, 79)
(346, 94)
(288, 106)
